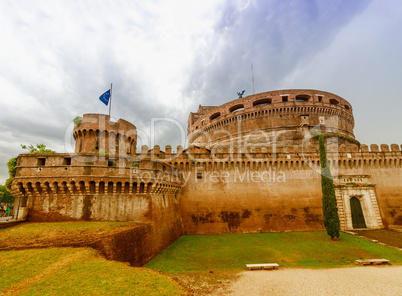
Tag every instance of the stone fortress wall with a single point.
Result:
(278, 192)
(219, 186)
(281, 189)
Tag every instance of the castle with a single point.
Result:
(251, 165)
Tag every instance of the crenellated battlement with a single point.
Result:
(159, 165)
(92, 174)
(264, 152)
(96, 133)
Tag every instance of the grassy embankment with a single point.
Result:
(72, 271)
(295, 249)
(56, 229)
(76, 271)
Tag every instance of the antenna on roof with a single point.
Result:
(252, 78)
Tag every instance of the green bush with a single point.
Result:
(5, 195)
(77, 121)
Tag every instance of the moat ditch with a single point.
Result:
(128, 244)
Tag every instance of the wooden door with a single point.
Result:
(357, 213)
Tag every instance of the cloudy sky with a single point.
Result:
(165, 58)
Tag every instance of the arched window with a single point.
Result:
(101, 187)
(236, 108)
(215, 116)
(91, 187)
(142, 187)
(334, 102)
(262, 102)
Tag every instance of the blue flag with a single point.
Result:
(105, 97)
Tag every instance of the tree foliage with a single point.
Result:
(38, 148)
(12, 163)
(329, 206)
(5, 195)
(12, 168)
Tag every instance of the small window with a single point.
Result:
(202, 122)
(67, 161)
(320, 99)
(347, 107)
(284, 98)
(199, 175)
(215, 116)
(305, 119)
(41, 161)
(236, 108)
(334, 102)
(111, 162)
(302, 98)
(262, 102)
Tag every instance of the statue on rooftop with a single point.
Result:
(240, 94)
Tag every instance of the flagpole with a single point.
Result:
(110, 106)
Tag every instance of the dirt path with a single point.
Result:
(387, 236)
(378, 280)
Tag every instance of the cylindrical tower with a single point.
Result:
(281, 117)
(97, 134)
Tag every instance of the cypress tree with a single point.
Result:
(329, 206)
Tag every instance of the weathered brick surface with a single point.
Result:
(277, 117)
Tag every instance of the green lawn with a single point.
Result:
(69, 271)
(295, 249)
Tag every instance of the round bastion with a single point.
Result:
(96, 133)
(281, 117)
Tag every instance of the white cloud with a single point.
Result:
(166, 57)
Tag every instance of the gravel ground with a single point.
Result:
(368, 280)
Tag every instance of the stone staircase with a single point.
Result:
(341, 209)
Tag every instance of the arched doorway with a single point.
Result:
(357, 213)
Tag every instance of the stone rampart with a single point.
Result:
(90, 187)
(228, 192)
(235, 189)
